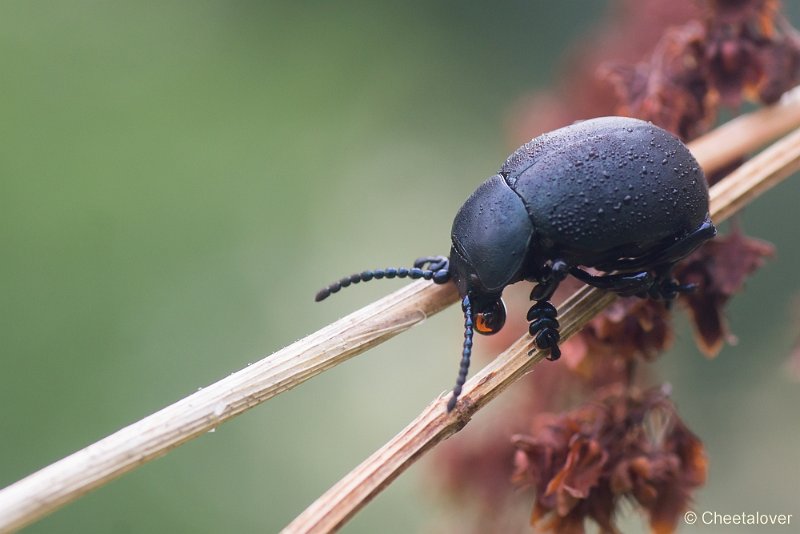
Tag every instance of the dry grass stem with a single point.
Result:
(64, 481)
(755, 177)
(44, 491)
(434, 424)
(747, 133)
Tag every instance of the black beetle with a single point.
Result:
(619, 195)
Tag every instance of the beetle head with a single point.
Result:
(487, 307)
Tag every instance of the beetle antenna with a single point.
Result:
(437, 270)
(465, 354)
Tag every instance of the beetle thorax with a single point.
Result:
(491, 236)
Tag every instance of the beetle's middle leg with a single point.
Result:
(658, 285)
(624, 284)
(542, 315)
(666, 287)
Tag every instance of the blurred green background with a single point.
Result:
(179, 178)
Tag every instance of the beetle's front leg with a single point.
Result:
(544, 325)
(438, 265)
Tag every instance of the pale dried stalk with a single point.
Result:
(434, 424)
(43, 492)
(64, 481)
(747, 133)
(754, 177)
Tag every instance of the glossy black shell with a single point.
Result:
(593, 192)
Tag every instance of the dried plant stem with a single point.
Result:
(747, 133)
(64, 481)
(755, 177)
(43, 492)
(434, 424)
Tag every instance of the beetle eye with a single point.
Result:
(491, 319)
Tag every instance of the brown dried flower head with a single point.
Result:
(623, 446)
(720, 268)
(740, 49)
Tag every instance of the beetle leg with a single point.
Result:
(548, 282)
(434, 263)
(667, 288)
(544, 328)
(440, 265)
(658, 286)
(544, 325)
(624, 284)
(686, 245)
(670, 253)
